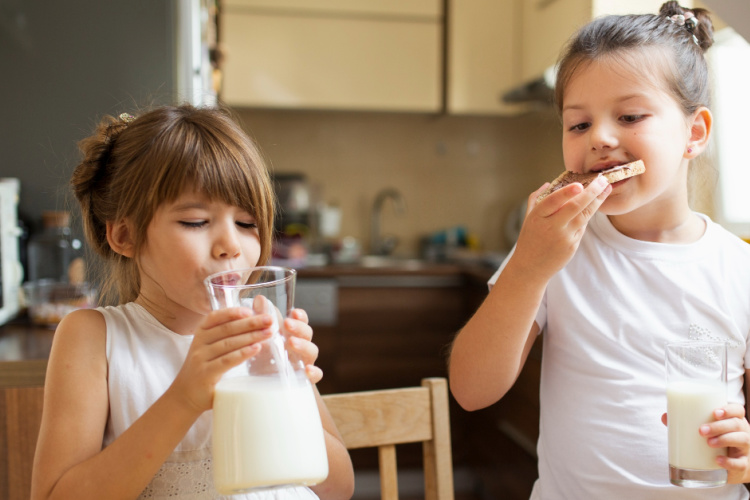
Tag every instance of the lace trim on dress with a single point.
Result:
(183, 476)
(188, 475)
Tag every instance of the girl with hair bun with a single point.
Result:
(167, 198)
(608, 274)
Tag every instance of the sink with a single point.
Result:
(385, 261)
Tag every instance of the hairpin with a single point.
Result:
(127, 117)
(689, 21)
(678, 19)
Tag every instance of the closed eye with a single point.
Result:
(195, 224)
(579, 127)
(247, 225)
(632, 118)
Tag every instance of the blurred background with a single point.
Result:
(403, 137)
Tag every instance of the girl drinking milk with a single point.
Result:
(610, 273)
(168, 198)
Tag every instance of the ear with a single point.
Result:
(120, 237)
(700, 132)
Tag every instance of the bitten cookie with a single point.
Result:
(612, 175)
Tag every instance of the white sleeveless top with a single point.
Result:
(144, 358)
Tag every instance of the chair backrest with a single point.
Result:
(20, 419)
(388, 417)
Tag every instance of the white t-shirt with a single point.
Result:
(144, 358)
(605, 320)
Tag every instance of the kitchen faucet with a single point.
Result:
(384, 245)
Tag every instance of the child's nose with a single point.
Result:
(227, 246)
(603, 136)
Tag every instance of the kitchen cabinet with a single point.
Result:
(548, 24)
(396, 335)
(391, 328)
(483, 55)
(333, 54)
(24, 349)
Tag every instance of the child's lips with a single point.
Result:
(229, 279)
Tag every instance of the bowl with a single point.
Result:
(49, 301)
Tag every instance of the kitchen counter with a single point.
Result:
(470, 273)
(408, 268)
(24, 349)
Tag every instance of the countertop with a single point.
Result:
(475, 273)
(418, 268)
(24, 349)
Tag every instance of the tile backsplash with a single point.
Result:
(452, 171)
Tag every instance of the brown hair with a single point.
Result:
(621, 36)
(133, 165)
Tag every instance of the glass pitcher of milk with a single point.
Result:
(267, 431)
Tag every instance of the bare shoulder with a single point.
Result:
(81, 335)
(78, 353)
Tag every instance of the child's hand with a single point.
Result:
(225, 339)
(553, 228)
(731, 430)
(300, 341)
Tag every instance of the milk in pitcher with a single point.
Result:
(266, 431)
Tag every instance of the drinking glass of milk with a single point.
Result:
(696, 386)
(267, 431)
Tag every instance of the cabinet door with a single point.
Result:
(20, 418)
(548, 24)
(308, 58)
(483, 55)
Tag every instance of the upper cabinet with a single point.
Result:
(397, 55)
(483, 55)
(548, 24)
(333, 54)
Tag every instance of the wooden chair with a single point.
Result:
(385, 418)
(21, 397)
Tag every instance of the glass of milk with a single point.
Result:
(267, 431)
(696, 386)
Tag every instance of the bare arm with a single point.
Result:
(489, 353)
(339, 485)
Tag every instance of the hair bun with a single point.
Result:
(91, 173)
(702, 29)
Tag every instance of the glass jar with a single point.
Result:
(52, 251)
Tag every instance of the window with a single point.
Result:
(730, 62)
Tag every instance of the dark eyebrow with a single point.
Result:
(188, 205)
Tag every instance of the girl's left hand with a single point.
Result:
(731, 430)
(300, 341)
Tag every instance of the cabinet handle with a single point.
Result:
(543, 4)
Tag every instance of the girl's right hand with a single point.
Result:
(553, 228)
(225, 339)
